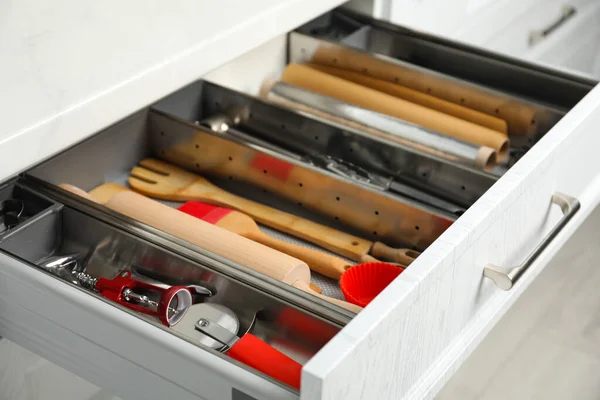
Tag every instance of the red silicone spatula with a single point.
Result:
(243, 225)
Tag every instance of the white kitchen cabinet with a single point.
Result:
(574, 46)
(554, 32)
(471, 21)
(561, 34)
(27, 376)
(84, 69)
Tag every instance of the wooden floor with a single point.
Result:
(547, 346)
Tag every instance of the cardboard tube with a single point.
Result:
(328, 85)
(520, 117)
(417, 97)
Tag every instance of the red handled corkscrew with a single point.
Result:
(169, 309)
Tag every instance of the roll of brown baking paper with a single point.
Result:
(520, 117)
(328, 85)
(417, 97)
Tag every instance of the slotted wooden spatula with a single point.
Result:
(161, 180)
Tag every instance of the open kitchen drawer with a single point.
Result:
(410, 339)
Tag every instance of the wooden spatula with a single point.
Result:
(242, 224)
(161, 180)
(193, 230)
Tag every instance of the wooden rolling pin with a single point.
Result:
(193, 230)
(521, 117)
(417, 97)
(328, 85)
(242, 224)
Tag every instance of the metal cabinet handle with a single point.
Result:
(538, 35)
(504, 279)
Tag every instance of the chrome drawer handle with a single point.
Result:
(504, 279)
(538, 35)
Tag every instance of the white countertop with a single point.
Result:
(72, 67)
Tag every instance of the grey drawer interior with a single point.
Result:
(106, 251)
(28, 205)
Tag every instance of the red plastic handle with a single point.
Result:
(257, 354)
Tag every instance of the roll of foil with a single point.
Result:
(381, 125)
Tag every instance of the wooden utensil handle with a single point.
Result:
(78, 191)
(193, 230)
(316, 288)
(368, 259)
(318, 261)
(402, 256)
(344, 304)
(341, 243)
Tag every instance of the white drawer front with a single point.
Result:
(435, 16)
(452, 18)
(514, 38)
(546, 344)
(27, 376)
(477, 22)
(506, 26)
(576, 46)
(400, 346)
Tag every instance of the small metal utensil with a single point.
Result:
(217, 326)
